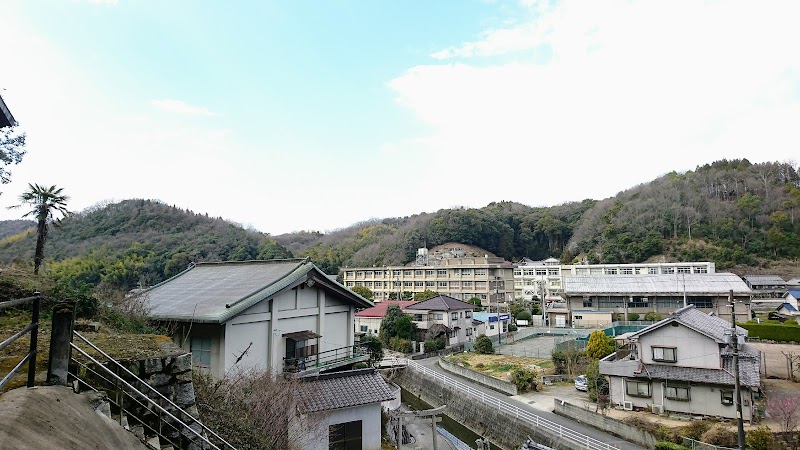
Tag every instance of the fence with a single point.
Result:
(558, 431)
(141, 402)
(697, 445)
(33, 329)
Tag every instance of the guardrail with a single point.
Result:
(130, 395)
(33, 329)
(558, 431)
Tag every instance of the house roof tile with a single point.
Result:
(440, 303)
(216, 292)
(379, 310)
(691, 283)
(343, 390)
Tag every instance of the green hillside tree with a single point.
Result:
(364, 292)
(45, 202)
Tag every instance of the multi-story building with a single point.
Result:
(537, 279)
(488, 278)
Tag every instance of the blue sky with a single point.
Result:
(301, 115)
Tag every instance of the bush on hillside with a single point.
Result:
(721, 435)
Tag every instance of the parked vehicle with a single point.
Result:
(581, 383)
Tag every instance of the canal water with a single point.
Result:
(463, 433)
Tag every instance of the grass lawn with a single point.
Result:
(500, 366)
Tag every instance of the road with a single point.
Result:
(432, 363)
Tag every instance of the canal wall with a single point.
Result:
(503, 429)
(605, 423)
(501, 386)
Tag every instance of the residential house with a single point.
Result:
(443, 316)
(784, 312)
(342, 410)
(684, 364)
(278, 315)
(494, 323)
(640, 294)
(792, 296)
(461, 276)
(368, 321)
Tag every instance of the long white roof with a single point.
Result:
(706, 283)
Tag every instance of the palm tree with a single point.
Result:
(45, 202)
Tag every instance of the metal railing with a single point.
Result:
(33, 329)
(324, 359)
(697, 445)
(557, 431)
(126, 397)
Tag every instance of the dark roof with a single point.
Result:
(217, 292)
(441, 303)
(6, 119)
(302, 335)
(343, 390)
(689, 316)
(764, 279)
(748, 372)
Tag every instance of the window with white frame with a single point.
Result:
(665, 354)
(480, 271)
(430, 284)
(418, 273)
(453, 316)
(636, 388)
(652, 270)
(684, 270)
(441, 272)
(468, 314)
(466, 271)
(443, 284)
(701, 269)
(406, 273)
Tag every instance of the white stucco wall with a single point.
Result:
(705, 399)
(369, 415)
(693, 349)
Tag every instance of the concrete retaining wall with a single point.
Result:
(605, 423)
(503, 429)
(484, 380)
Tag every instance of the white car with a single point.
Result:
(581, 383)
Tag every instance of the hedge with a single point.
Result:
(774, 332)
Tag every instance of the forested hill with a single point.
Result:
(137, 241)
(729, 212)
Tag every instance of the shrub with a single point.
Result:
(772, 331)
(361, 365)
(632, 317)
(670, 446)
(599, 345)
(652, 316)
(432, 345)
(374, 346)
(523, 315)
(720, 435)
(401, 345)
(525, 379)
(512, 327)
(760, 438)
(695, 430)
(483, 345)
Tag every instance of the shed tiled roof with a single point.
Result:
(441, 303)
(764, 279)
(379, 310)
(674, 284)
(216, 292)
(343, 390)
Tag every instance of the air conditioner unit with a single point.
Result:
(658, 409)
(627, 406)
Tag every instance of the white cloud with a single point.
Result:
(631, 90)
(181, 107)
(104, 2)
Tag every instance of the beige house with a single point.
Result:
(683, 364)
(444, 316)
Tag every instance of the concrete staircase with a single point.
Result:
(103, 407)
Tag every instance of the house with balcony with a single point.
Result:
(683, 364)
(443, 316)
(282, 316)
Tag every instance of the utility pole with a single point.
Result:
(738, 386)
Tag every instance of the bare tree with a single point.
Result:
(786, 410)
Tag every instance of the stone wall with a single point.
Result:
(171, 376)
(605, 423)
(484, 380)
(501, 428)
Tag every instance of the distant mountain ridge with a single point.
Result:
(733, 213)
